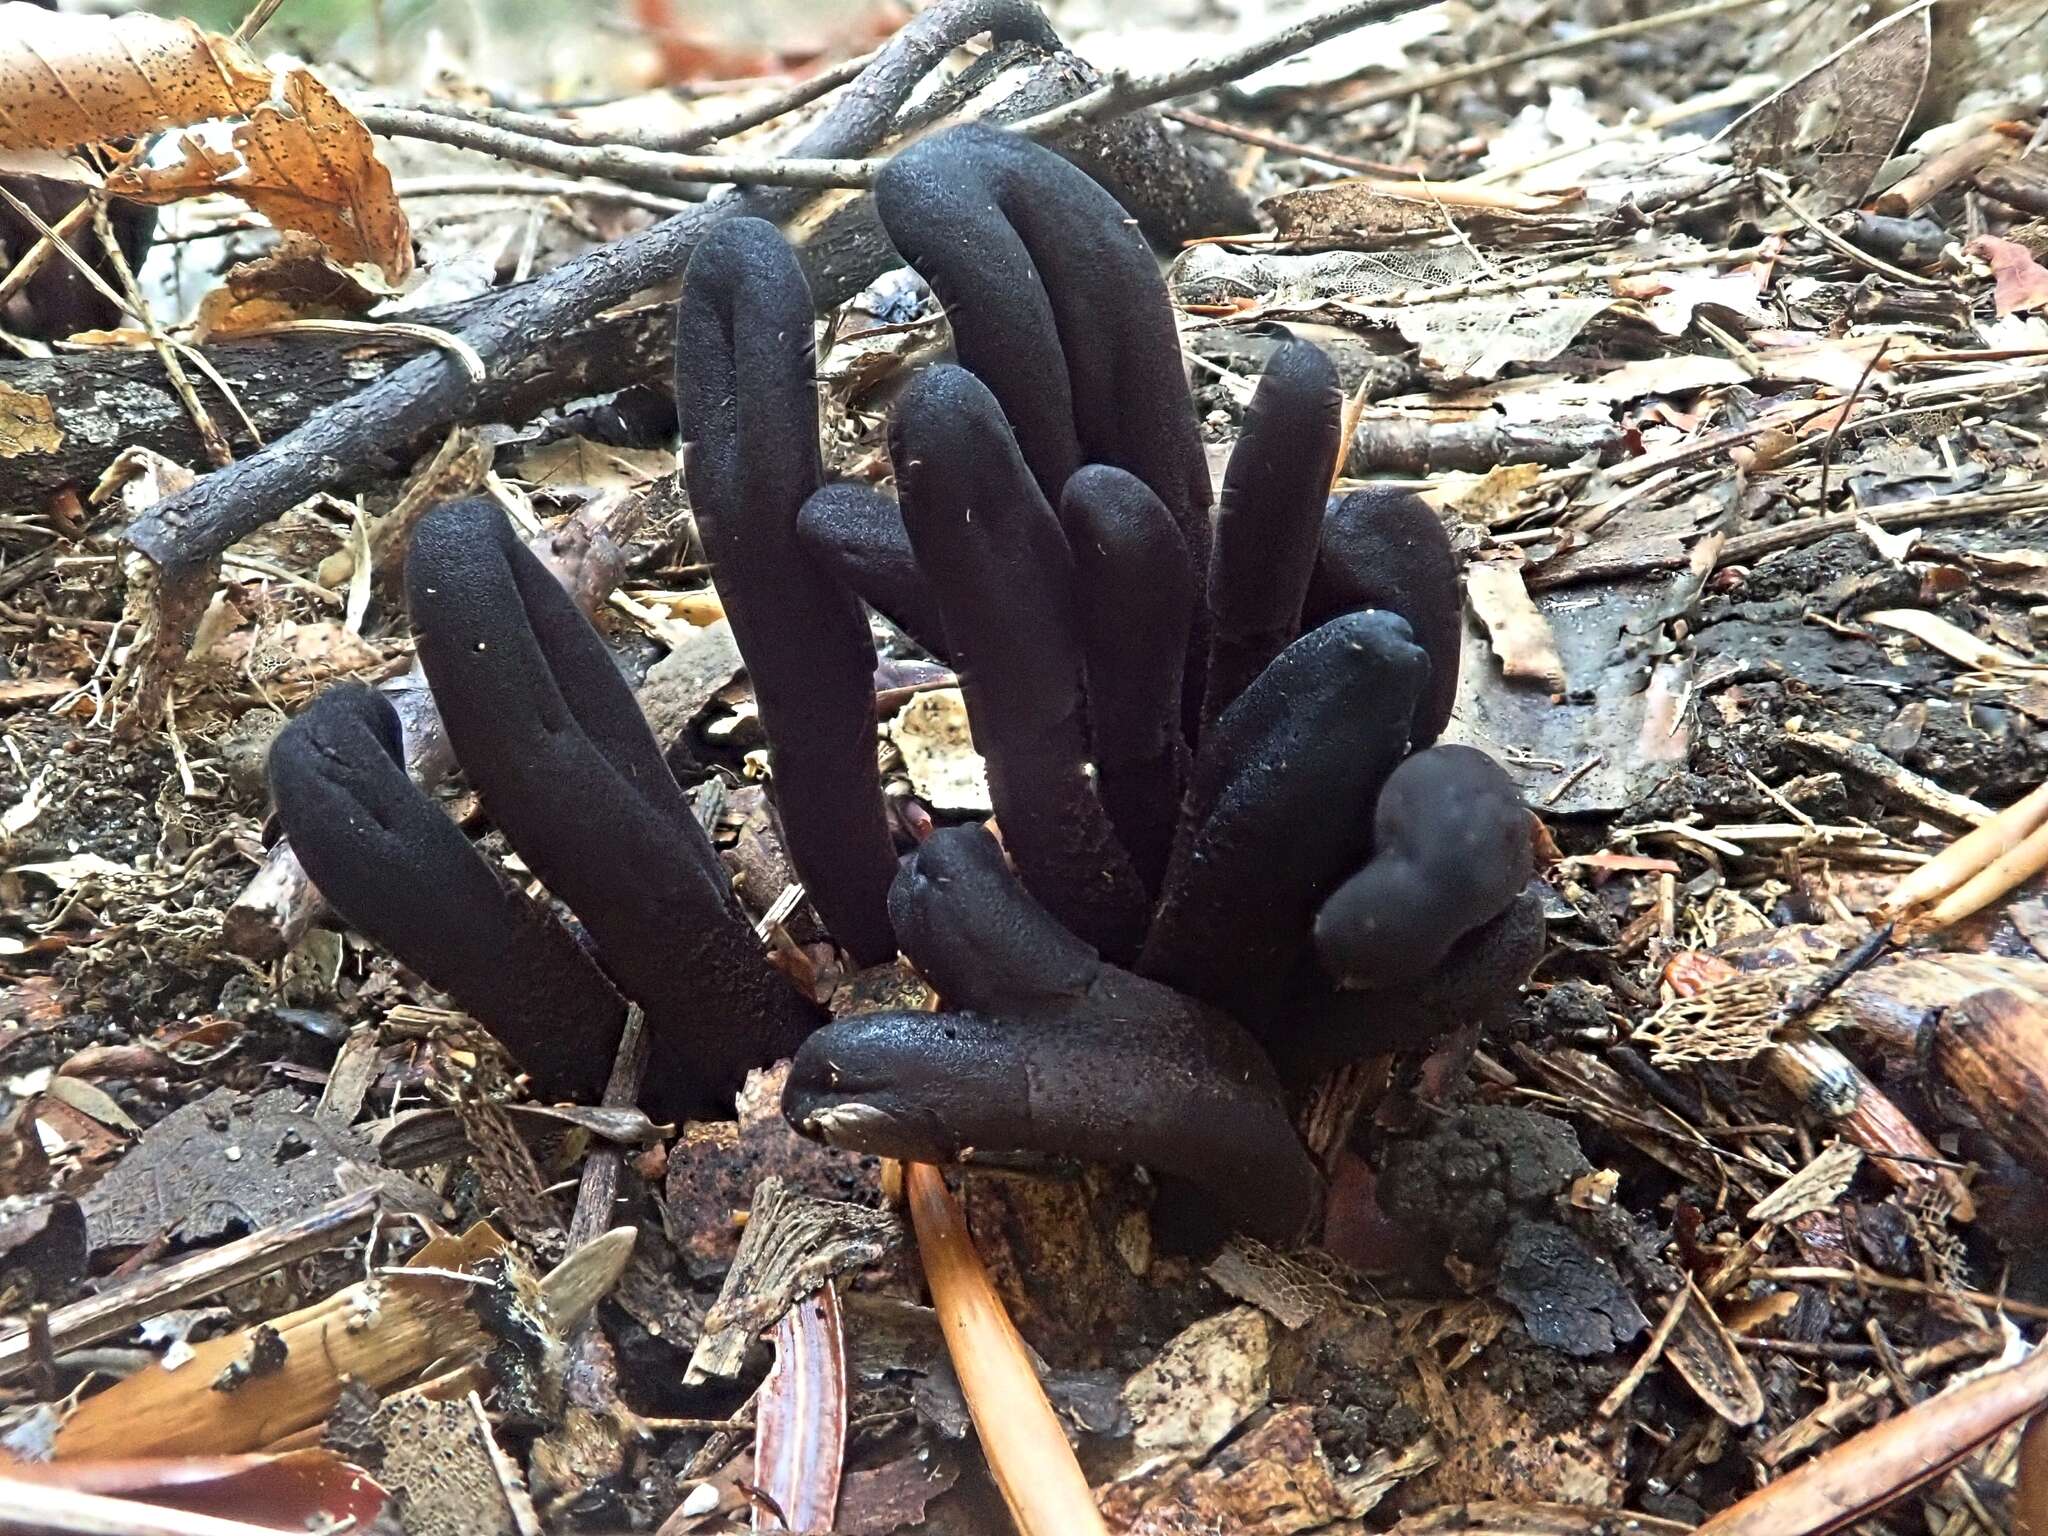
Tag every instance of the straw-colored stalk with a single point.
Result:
(1978, 867)
(1027, 1450)
(1843, 1487)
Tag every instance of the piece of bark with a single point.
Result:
(1987, 1050)
(1401, 445)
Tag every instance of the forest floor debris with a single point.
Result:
(1717, 339)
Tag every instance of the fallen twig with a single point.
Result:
(513, 184)
(1781, 193)
(569, 130)
(1274, 142)
(1415, 85)
(1027, 1450)
(647, 169)
(1855, 1480)
(1893, 781)
(1122, 92)
(193, 1279)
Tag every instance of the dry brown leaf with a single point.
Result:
(293, 280)
(1842, 363)
(1668, 299)
(1495, 497)
(303, 161)
(283, 143)
(2019, 573)
(68, 80)
(1520, 633)
(2019, 281)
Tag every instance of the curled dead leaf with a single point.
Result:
(283, 142)
(303, 161)
(2018, 281)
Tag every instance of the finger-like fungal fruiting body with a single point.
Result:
(858, 532)
(1061, 1056)
(1329, 1025)
(746, 398)
(1134, 597)
(1451, 848)
(1269, 523)
(1279, 810)
(1001, 569)
(391, 862)
(551, 737)
(976, 935)
(1384, 548)
(1220, 889)
(1058, 305)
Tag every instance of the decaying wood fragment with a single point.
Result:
(793, 1244)
(1840, 1488)
(257, 1386)
(195, 1278)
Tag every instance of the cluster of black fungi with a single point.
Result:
(1232, 854)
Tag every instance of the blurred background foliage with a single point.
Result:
(558, 49)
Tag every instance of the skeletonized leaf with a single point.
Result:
(1833, 128)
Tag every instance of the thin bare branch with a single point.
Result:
(646, 169)
(1123, 92)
